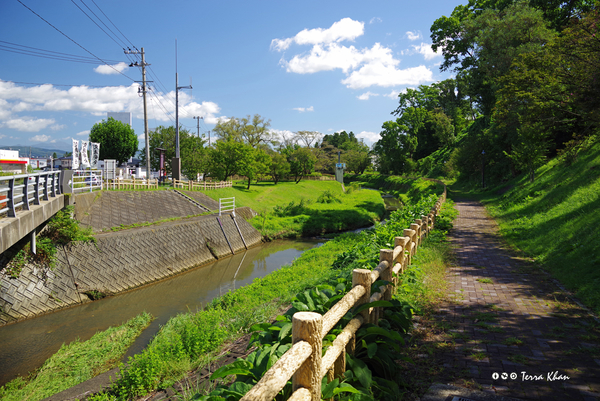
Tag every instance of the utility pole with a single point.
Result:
(198, 124)
(144, 90)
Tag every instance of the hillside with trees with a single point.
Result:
(526, 88)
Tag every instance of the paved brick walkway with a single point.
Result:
(507, 317)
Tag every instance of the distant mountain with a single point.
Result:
(24, 151)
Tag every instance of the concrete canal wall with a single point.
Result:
(122, 260)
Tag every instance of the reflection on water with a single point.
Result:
(391, 203)
(24, 346)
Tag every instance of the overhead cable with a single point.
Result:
(66, 36)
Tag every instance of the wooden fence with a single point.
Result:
(130, 184)
(201, 185)
(304, 362)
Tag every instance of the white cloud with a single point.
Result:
(375, 66)
(96, 101)
(303, 109)
(393, 94)
(344, 29)
(369, 137)
(413, 35)
(83, 133)
(426, 51)
(111, 69)
(28, 124)
(57, 127)
(384, 75)
(40, 138)
(367, 95)
(2, 136)
(375, 19)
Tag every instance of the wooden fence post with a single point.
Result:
(388, 256)
(417, 229)
(307, 326)
(363, 277)
(401, 242)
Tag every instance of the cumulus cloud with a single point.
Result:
(83, 133)
(393, 94)
(106, 69)
(303, 109)
(28, 124)
(375, 66)
(369, 137)
(426, 51)
(384, 75)
(344, 29)
(413, 35)
(41, 138)
(96, 101)
(374, 20)
(367, 95)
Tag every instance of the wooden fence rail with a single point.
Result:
(130, 184)
(304, 362)
(201, 185)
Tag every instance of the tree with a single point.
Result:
(117, 140)
(280, 167)
(253, 131)
(302, 162)
(225, 158)
(194, 156)
(308, 138)
(394, 148)
(254, 163)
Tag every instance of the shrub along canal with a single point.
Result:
(26, 345)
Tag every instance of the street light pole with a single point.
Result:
(176, 164)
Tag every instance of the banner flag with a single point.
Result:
(95, 155)
(85, 161)
(75, 155)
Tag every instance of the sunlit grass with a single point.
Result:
(77, 362)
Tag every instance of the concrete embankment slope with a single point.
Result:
(128, 258)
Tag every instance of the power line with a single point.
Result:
(36, 83)
(132, 45)
(91, 19)
(66, 36)
(37, 52)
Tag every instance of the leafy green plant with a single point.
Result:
(328, 197)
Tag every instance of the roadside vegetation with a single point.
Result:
(189, 341)
(305, 209)
(77, 362)
(553, 220)
(60, 230)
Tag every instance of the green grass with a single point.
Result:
(77, 362)
(554, 220)
(306, 216)
(404, 188)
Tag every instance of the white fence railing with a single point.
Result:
(23, 190)
(86, 181)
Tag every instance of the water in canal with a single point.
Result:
(24, 346)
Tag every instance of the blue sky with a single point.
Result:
(304, 65)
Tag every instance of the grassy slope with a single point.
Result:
(357, 208)
(555, 221)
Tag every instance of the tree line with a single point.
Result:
(244, 147)
(526, 87)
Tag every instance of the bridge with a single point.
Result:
(26, 202)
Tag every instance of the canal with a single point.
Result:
(24, 346)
